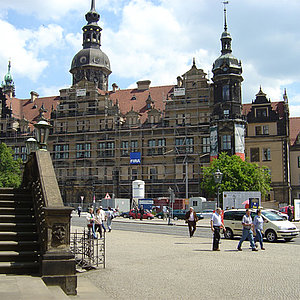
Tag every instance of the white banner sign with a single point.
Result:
(179, 91)
(297, 209)
(81, 92)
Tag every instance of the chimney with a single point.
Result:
(114, 87)
(143, 85)
(33, 96)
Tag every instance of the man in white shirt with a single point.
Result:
(216, 223)
(247, 231)
(191, 218)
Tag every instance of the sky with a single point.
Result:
(155, 40)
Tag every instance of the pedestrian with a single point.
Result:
(79, 210)
(290, 213)
(247, 231)
(103, 218)
(91, 223)
(98, 222)
(141, 212)
(258, 223)
(136, 210)
(191, 219)
(109, 217)
(216, 223)
(165, 213)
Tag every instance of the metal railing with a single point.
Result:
(89, 252)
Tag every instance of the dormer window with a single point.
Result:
(261, 112)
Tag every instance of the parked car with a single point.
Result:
(207, 213)
(180, 214)
(115, 212)
(124, 214)
(275, 227)
(284, 209)
(279, 213)
(147, 214)
(159, 215)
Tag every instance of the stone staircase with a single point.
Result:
(19, 246)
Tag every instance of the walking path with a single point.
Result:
(156, 266)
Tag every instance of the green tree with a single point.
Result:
(238, 175)
(10, 171)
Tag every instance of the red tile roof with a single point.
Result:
(136, 99)
(24, 108)
(277, 106)
(294, 129)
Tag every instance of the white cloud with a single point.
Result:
(50, 90)
(75, 40)
(57, 9)
(24, 60)
(150, 44)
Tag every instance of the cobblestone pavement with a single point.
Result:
(154, 266)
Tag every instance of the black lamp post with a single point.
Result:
(31, 145)
(43, 129)
(218, 179)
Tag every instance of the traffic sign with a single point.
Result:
(107, 196)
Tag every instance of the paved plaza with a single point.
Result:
(155, 266)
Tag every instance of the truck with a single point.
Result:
(122, 204)
(237, 199)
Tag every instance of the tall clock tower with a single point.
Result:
(227, 124)
(91, 63)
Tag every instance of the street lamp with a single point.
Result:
(31, 145)
(43, 129)
(218, 178)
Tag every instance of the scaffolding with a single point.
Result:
(91, 142)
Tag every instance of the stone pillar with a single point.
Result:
(58, 265)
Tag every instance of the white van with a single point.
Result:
(275, 227)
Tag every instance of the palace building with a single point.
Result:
(102, 139)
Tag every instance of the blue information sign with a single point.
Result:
(135, 158)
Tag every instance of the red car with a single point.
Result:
(284, 209)
(146, 215)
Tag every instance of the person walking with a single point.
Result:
(136, 210)
(103, 218)
(91, 223)
(290, 213)
(99, 223)
(258, 223)
(141, 212)
(79, 210)
(191, 219)
(109, 217)
(216, 223)
(247, 231)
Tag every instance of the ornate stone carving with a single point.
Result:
(59, 234)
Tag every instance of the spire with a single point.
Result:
(8, 84)
(194, 62)
(225, 38)
(93, 6)
(225, 21)
(285, 97)
(92, 16)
